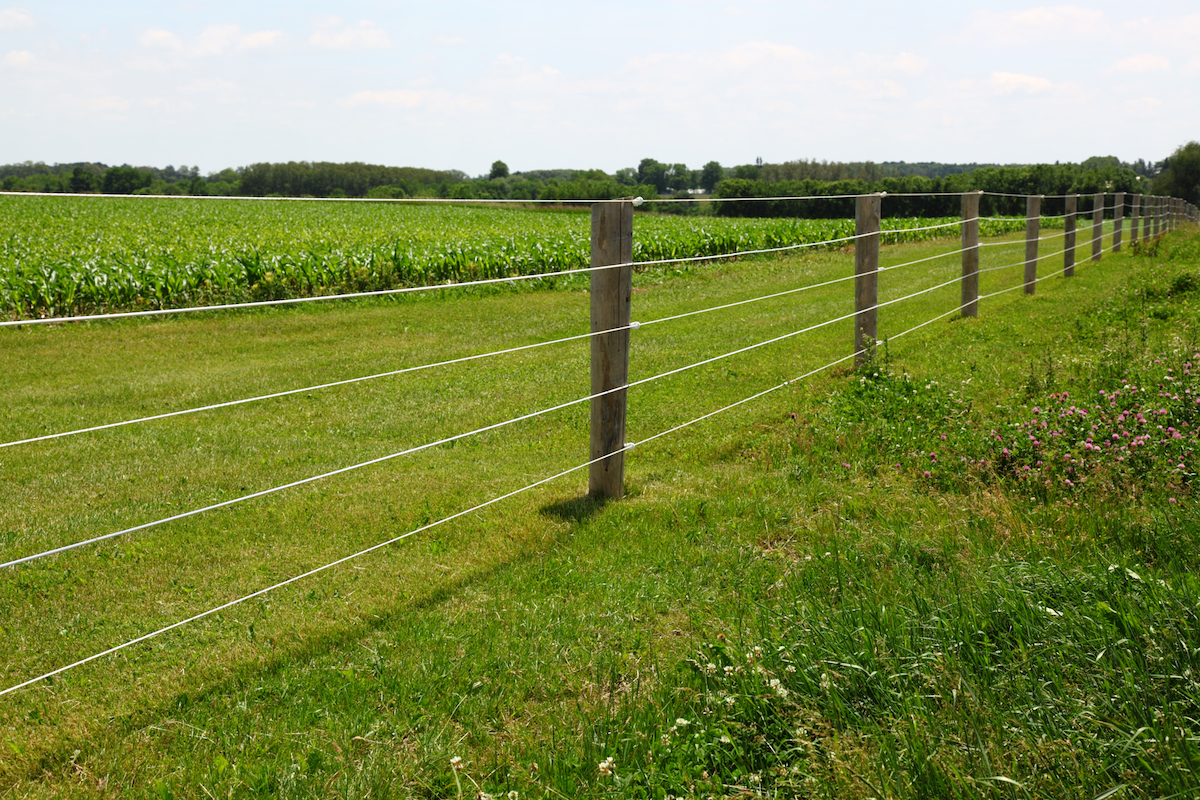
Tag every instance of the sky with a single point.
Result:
(458, 84)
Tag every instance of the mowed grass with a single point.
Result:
(546, 629)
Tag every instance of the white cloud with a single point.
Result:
(404, 98)
(160, 39)
(1144, 62)
(909, 64)
(18, 58)
(14, 19)
(436, 100)
(1012, 82)
(1042, 22)
(1145, 103)
(212, 41)
(259, 40)
(365, 35)
(103, 104)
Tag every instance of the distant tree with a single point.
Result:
(712, 174)
(125, 180)
(499, 170)
(1180, 176)
(627, 176)
(653, 173)
(747, 172)
(679, 177)
(83, 181)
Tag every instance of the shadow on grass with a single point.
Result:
(576, 509)
(49, 763)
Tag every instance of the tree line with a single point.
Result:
(1177, 175)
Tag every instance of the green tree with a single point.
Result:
(499, 170)
(653, 173)
(83, 181)
(627, 176)
(125, 180)
(710, 175)
(1180, 176)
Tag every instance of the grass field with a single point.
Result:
(815, 594)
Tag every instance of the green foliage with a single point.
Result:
(125, 180)
(1099, 176)
(499, 170)
(1180, 176)
(711, 174)
(155, 254)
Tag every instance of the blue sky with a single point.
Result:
(561, 84)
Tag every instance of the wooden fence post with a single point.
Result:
(970, 255)
(1157, 215)
(612, 290)
(1147, 213)
(1069, 237)
(1135, 217)
(1097, 225)
(1118, 220)
(1033, 230)
(866, 270)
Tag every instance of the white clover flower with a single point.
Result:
(710, 669)
(514, 795)
(825, 685)
(681, 722)
(607, 767)
(456, 764)
(728, 671)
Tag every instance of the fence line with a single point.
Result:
(1165, 217)
(456, 437)
(478, 507)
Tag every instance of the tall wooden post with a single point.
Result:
(612, 290)
(1097, 225)
(1135, 217)
(1033, 231)
(1118, 220)
(970, 255)
(1069, 239)
(1157, 215)
(1147, 213)
(866, 270)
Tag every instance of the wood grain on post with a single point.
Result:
(1135, 217)
(1097, 226)
(612, 290)
(970, 254)
(1118, 220)
(1033, 231)
(1147, 213)
(1069, 237)
(866, 271)
(1157, 215)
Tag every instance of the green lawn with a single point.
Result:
(546, 633)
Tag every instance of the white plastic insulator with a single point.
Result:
(630, 445)
(637, 201)
(633, 326)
